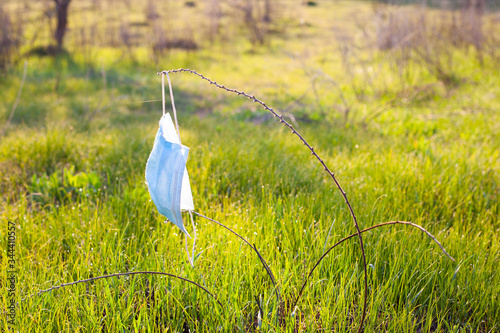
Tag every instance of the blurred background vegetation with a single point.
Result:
(324, 59)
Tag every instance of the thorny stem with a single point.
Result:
(365, 230)
(253, 247)
(124, 274)
(313, 152)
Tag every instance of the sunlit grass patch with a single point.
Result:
(410, 148)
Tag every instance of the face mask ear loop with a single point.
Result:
(194, 238)
(163, 91)
(173, 107)
(187, 251)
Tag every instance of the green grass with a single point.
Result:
(72, 179)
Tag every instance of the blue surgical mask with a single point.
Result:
(166, 174)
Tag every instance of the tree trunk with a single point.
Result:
(62, 21)
(267, 11)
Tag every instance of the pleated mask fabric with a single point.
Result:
(166, 174)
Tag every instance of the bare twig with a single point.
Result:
(125, 274)
(313, 152)
(365, 230)
(16, 102)
(253, 247)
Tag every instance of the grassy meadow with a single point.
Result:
(411, 130)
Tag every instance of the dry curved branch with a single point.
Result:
(124, 274)
(253, 247)
(365, 230)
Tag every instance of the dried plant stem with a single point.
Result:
(125, 274)
(365, 230)
(313, 152)
(16, 102)
(253, 247)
